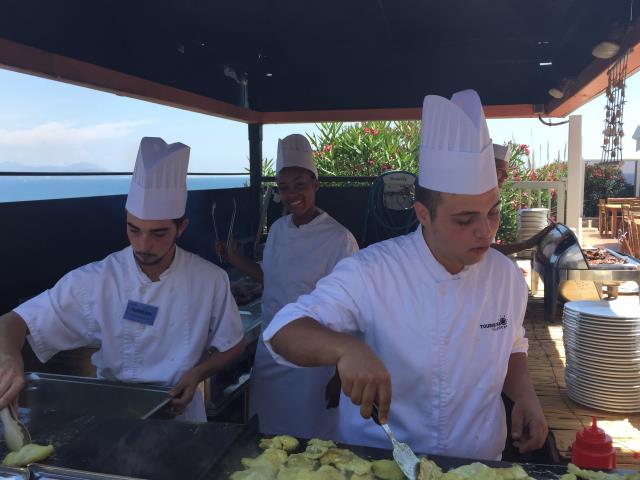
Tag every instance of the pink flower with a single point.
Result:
(327, 148)
(366, 130)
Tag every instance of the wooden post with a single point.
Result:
(575, 176)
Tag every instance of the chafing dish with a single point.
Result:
(558, 258)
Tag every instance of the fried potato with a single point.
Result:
(334, 455)
(355, 464)
(301, 461)
(386, 470)
(280, 442)
(428, 470)
(29, 453)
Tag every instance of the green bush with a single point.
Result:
(367, 148)
(603, 181)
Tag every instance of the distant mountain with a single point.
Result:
(74, 167)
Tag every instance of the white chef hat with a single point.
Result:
(501, 152)
(456, 154)
(159, 184)
(295, 151)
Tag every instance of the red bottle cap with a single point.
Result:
(593, 448)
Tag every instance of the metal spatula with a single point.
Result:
(402, 453)
(15, 433)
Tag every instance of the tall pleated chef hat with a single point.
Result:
(295, 151)
(456, 152)
(501, 152)
(158, 188)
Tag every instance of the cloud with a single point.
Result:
(66, 133)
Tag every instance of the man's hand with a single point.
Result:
(529, 428)
(183, 392)
(365, 379)
(11, 379)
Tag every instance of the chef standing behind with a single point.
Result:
(301, 248)
(417, 316)
(158, 313)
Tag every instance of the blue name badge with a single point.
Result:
(140, 312)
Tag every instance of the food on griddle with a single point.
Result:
(302, 461)
(281, 442)
(599, 256)
(316, 448)
(28, 454)
(386, 470)
(342, 464)
(596, 475)
(12, 431)
(428, 470)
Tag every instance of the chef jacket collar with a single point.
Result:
(137, 272)
(434, 267)
(317, 219)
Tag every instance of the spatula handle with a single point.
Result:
(374, 413)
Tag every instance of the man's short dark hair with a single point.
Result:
(429, 198)
(178, 221)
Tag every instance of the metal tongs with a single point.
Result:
(16, 434)
(215, 227)
(231, 225)
(402, 453)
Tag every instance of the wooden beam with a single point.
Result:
(21, 58)
(311, 116)
(593, 80)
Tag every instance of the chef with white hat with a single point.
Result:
(301, 248)
(157, 313)
(501, 155)
(417, 316)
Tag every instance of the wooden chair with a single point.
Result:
(603, 224)
(626, 231)
(634, 231)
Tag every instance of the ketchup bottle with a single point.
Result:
(593, 448)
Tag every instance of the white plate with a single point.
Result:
(604, 309)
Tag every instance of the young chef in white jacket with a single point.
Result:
(433, 317)
(501, 154)
(159, 314)
(301, 248)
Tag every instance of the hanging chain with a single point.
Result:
(614, 109)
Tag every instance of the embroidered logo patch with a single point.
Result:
(501, 324)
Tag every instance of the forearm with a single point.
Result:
(511, 248)
(307, 343)
(518, 383)
(13, 331)
(248, 267)
(217, 361)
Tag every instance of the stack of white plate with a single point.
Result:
(530, 222)
(602, 348)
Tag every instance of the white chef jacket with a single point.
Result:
(196, 311)
(291, 400)
(445, 340)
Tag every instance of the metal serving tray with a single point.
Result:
(44, 472)
(10, 473)
(47, 392)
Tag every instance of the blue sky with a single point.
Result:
(45, 123)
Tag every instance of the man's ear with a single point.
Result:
(183, 226)
(422, 213)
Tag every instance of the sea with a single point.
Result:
(25, 188)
